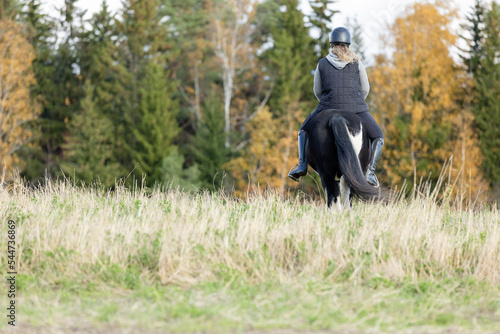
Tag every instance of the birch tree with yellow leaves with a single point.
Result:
(415, 97)
(17, 108)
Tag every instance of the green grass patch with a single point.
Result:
(222, 306)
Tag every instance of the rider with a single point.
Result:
(340, 82)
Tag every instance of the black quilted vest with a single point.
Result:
(340, 88)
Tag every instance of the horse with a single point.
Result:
(338, 148)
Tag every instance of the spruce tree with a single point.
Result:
(321, 19)
(102, 107)
(156, 126)
(9, 9)
(290, 61)
(41, 32)
(487, 108)
(89, 146)
(475, 28)
(150, 108)
(357, 42)
(62, 88)
(208, 149)
(176, 176)
(101, 63)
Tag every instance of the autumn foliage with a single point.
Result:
(16, 107)
(415, 96)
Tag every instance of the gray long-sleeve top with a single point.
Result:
(335, 61)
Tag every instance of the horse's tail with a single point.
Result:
(349, 162)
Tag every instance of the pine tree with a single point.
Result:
(90, 145)
(487, 107)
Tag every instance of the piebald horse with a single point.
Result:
(338, 148)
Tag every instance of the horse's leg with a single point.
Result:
(333, 195)
(345, 192)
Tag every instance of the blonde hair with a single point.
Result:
(344, 53)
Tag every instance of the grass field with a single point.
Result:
(152, 261)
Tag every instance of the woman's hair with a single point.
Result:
(342, 51)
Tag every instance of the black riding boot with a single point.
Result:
(377, 145)
(301, 169)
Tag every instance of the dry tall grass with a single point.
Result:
(183, 239)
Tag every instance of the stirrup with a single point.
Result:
(293, 177)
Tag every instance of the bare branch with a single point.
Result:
(261, 106)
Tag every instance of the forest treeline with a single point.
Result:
(200, 94)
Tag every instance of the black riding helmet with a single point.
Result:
(340, 35)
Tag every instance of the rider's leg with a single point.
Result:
(301, 169)
(370, 176)
(377, 139)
